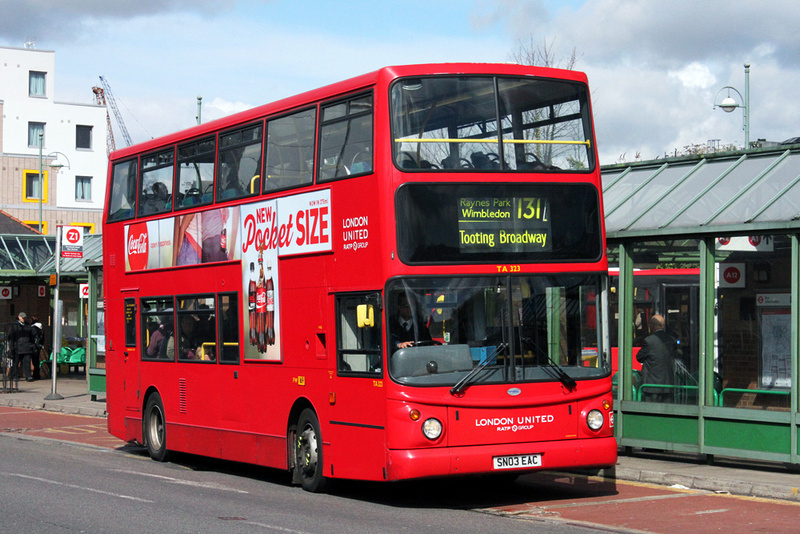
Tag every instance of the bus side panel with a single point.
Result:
(357, 429)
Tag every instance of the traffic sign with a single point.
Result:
(72, 242)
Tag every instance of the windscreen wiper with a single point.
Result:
(563, 377)
(467, 380)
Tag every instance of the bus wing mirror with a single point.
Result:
(366, 315)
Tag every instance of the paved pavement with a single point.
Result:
(738, 477)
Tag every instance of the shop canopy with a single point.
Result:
(33, 256)
(23, 255)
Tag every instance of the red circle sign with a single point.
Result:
(137, 246)
(724, 240)
(755, 240)
(73, 235)
(732, 275)
(6, 292)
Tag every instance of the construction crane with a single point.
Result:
(100, 100)
(104, 96)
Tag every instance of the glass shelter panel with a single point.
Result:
(666, 321)
(753, 323)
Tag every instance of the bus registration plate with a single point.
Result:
(519, 461)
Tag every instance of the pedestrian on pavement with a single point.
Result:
(21, 343)
(657, 357)
(38, 345)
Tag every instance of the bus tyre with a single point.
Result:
(308, 453)
(155, 428)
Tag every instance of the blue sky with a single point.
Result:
(654, 67)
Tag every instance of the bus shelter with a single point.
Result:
(711, 244)
(82, 317)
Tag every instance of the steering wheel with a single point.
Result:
(426, 342)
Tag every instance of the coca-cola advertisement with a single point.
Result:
(202, 237)
(258, 234)
(259, 253)
(298, 224)
(149, 245)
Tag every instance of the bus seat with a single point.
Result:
(229, 193)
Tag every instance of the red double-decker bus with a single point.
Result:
(398, 276)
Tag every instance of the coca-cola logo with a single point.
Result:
(137, 246)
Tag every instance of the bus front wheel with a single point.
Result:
(308, 453)
(155, 428)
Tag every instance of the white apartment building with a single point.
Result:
(73, 136)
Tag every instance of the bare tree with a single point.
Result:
(544, 55)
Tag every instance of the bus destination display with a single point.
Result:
(504, 224)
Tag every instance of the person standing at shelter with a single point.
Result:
(21, 343)
(657, 357)
(38, 344)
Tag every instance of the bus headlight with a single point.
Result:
(595, 419)
(432, 428)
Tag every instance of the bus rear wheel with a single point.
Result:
(155, 428)
(307, 450)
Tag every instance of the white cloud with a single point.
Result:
(694, 76)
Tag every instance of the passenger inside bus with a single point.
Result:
(158, 201)
(157, 347)
(187, 345)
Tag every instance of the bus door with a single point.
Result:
(358, 401)
(127, 357)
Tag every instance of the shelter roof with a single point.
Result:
(720, 194)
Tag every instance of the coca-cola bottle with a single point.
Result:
(223, 236)
(251, 305)
(261, 306)
(270, 306)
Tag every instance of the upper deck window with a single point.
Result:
(491, 124)
(346, 138)
(155, 187)
(122, 204)
(195, 178)
(239, 167)
(290, 151)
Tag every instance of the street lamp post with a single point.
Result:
(41, 180)
(55, 165)
(728, 104)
